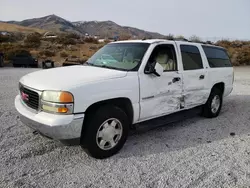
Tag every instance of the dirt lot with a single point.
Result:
(196, 152)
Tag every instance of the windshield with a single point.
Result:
(121, 56)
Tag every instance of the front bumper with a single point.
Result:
(58, 127)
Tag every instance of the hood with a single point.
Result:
(64, 78)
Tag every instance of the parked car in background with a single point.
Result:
(1, 59)
(48, 64)
(98, 102)
(24, 60)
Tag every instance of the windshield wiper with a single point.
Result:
(102, 66)
(87, 63)
(108, 67)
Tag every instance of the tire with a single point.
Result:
(210, 110)
(43, 65)
(116, 120)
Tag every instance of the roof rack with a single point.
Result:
(201, 42)
(181, 39)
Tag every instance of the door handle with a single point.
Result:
(202, 77)
(176, 79)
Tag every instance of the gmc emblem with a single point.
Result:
(25, 96)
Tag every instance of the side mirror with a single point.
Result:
(154, 68)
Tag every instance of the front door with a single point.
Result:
(161, 95)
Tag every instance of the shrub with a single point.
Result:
(11, 49)
(33, 40)
(68, 39)
(239, 51)
(5, 38)
(72, 48)
(64, 54)
(46, 53)
(180, 37)
(18, 37)
(169, 37)
(243, 56)
(223, 43)
(91, 40)
(12, 53)
(14, 37)
(93, 48)
(73, 36)
(195, 38)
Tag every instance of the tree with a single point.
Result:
(170, 37)
(180, 37)
(33, 40)
(195, 38)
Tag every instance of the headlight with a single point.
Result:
(57, 96)
(57, 102)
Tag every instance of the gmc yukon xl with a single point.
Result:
(123, 84)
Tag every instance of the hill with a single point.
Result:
(103, 29)
(17, 28)
(110, 29)
(51, 23)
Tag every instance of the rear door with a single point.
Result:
(195, 89)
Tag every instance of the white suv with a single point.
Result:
(122, 84)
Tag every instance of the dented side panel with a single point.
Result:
(160, 95)
(195, 90)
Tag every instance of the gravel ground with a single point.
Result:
(197, 152)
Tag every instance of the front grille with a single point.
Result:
(29, 97)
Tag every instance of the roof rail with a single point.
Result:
(201, 42)
(182, 39)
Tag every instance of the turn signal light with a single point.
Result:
(66, 97)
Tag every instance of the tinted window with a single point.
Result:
(217, 57)
(191, 57)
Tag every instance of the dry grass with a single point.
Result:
(74, 46)
(79, 51)
(16, 28)
(239, 51)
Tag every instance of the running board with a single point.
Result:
(168, 119)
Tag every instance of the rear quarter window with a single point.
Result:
(217, 57)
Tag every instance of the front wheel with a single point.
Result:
(213, 106)
(106, 132)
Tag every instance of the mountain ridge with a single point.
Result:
(104, 29)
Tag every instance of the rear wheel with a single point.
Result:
(213, 106)
(106, 132)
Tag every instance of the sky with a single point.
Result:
(208, 19)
